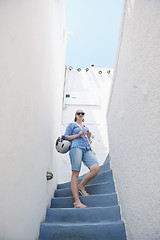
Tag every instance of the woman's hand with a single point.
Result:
(82, 132)
(89, 135)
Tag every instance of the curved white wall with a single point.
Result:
(32, 49)
(134, 119)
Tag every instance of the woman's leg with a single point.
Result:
(76, 160)
(74, 188)
(94, 169)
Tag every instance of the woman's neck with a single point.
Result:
(79, 122)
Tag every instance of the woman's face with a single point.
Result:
(80, 115)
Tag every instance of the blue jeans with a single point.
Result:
(77, 155)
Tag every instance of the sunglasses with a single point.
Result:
(82, 113)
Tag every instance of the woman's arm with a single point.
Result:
(71, 137)
(89, 137)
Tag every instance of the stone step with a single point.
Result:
(107, 159)
(101, 220)
(100, 200)
(98, 188)
(87, 231)
(101, 177)
(75, 215)
(103, 168)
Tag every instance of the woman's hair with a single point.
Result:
(75, 119)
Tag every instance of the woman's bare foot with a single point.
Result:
(82, 191)
(79, 205)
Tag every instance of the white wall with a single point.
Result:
(134, 119)
(88, 91)
(32, 49)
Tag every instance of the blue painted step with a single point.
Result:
(97, 188)
(101, 200)
(83, 231)
(101, 177)
(101, 220)
(85, 215)
(103, 168)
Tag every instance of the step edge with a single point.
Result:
(61, 189)
(103, 194)
(68, 182)
(83, 224)
(75, 209)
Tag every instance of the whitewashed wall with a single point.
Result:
(88, 91)
(134, 119)
(32, 49)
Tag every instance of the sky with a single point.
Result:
(92, 32)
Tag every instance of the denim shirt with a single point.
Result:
(79, 142)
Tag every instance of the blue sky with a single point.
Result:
(94, 27)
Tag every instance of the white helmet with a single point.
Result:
(62, 145)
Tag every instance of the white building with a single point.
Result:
(32, 68)
(87, 89)
(32, 73)
(134, 119)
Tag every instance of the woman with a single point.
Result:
(80, 138)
